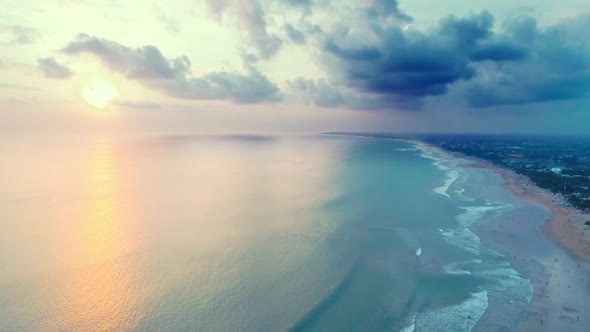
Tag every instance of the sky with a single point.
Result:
(295, 66)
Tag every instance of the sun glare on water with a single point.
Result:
(99, 93)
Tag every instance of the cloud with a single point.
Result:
(322, 92)
(555, 65)
(146, 62)
(251, 19)
(372, 56)
(498, 51)
(149, 66)
(296, 36)
(388, 64)
(305, 5)
(379, 9)
(251, 88)
(398, 64)
(319, 92)
(52, 69)
(465, 33)
(17, 34)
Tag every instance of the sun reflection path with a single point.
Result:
(103, 292)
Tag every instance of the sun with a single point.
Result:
(99, 93)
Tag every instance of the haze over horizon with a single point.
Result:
(238, 165)
(295, 66)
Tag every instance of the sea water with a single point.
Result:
(249, 233)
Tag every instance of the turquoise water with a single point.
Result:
(318, 233)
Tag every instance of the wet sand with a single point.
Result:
(552, 250)
(566, 226)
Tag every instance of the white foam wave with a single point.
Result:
(495, 253)
(503, 281)
(438, 162)
(411, 327)
(419, 252)
(462, 236)
(454, 268)
(510, 281)
(432, 153)
(460, 191)
(452, 176)
(473, 214)
(443, 162)
(460, 317)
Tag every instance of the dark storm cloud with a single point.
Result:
(517, 63)
(498, 51)
(52, 69)
(555, 66)
(148, 65)
(407, 64)
(465, 33)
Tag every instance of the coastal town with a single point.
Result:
(558, 164)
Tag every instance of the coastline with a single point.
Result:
(565, 227)
(552, 251)
(542, 238)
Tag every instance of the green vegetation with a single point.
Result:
(587, 223)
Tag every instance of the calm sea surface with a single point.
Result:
(240, 233)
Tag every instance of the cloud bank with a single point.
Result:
(518, 63)
(370, 56)
(378, 56)
(149, 66)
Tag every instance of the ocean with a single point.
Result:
(252, 233)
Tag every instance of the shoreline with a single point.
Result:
(543, 240)
(565, 228)
(558, 272)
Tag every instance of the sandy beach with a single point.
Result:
(552, 252)
(566, 226)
